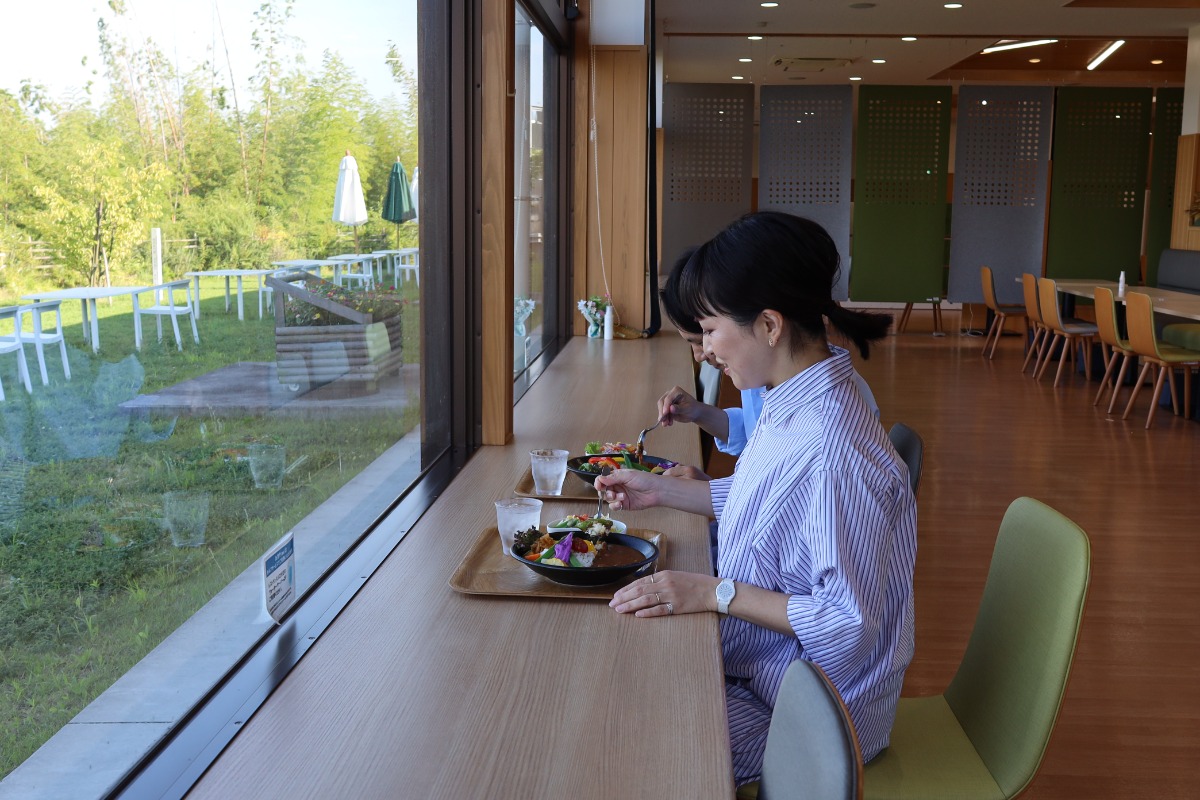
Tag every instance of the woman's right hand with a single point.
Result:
(687, 471)
(678, 406)
(629, 489)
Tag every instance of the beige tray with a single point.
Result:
(487, 570)
(574, 488)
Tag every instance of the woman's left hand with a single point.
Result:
(665, 593)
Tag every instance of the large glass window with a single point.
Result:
(537, 189)
(154, 443)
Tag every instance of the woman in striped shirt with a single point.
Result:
(817, 525)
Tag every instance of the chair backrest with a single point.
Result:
(1009, 687)
(911, 447)
(1139, 322)
(1048, 303)
(1030, 288)
(812, 750)
(989, 288)
(1106, 317)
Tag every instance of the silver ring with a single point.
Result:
(659, 599)
(670, 608)
(652, 577)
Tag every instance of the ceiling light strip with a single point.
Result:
(1016, 45)
(1108, 51)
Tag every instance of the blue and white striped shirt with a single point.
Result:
(819, 508)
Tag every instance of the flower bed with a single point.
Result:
(330, 334)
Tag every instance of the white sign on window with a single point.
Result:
(279, 577)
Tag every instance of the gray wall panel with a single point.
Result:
(707, 150)
(804, 155)
(1000, 188)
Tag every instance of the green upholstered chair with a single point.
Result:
(984, 737)
(999, 312)
(911, 447)
(812, 750)
(1182, 334)
(1111, 341)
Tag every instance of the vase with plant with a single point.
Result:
(593, 311)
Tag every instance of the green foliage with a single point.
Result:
(229, 231)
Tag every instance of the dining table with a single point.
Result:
(228, 275)
(87, 297)
(456, 673)
(1166, 301)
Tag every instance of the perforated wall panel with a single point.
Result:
(900, 226)
(1164, 147)
(1001, 175)
(805, 136)
(1101, 153)
(707, 149)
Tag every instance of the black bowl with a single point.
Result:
(593, 576)
(573, 465)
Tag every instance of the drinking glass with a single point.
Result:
(549, 470)
(516, 514)
(267, 464)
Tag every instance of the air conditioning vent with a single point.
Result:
(809, 64)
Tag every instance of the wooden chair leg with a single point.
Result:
(1048, 346)
(904, 318)
(1162, 373)
(1110, 365)
(1119, 383)
(1171, 385)
(1032, 348)
(1068, 353)
(1087, 343)
(1137, 387)
(987, 339)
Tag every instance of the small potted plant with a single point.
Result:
(593, 311)
(522, 308)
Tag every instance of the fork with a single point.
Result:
(600, 493)
(640, 452)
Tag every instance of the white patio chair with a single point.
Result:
(360, 269)
(408, 263)
(41, 336)
(11, 343)
(166, 303)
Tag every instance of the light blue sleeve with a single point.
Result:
(736, 442)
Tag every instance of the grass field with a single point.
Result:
(89, 578)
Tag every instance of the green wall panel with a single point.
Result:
(1168, 124)
(898, 238)
(1097, 189)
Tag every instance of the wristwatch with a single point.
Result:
(725, 593)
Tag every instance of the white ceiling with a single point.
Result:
(702, 40)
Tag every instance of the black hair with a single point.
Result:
(772, 260)
(670, 297)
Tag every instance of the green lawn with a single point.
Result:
(89, 579)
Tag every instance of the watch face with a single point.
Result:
(725, 591)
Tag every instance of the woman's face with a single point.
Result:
(741, 352)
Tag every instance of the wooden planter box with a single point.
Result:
(354, 354)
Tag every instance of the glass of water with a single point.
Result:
(516, 514)
(549, 470)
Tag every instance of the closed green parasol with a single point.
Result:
(398, 203)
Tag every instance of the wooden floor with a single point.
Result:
(1130, 724)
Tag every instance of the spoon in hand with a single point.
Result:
(640, 452)
(600, 493)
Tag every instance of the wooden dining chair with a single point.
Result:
(1111, 344)
(1033, 317)
(1000, 313)
(1072, 335)
(812, 750)
(1144, 342)
(985, 736)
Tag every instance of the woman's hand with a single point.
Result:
(665, 593)
(687, 471)
(629, 489)
(678, 406)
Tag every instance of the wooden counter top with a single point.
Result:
(419, 691)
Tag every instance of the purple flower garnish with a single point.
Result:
(562, 550)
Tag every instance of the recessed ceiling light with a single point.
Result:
(1108, 51)
(1156, 61)
(983, 102)
(1015, 45)
(878, 61)
(744, 60)
(768, 5)
(908, 38)
(855, 78)
(738, 77)
(1035, 61)
(754, 38)
(953, 5)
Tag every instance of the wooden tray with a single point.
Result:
(487, 570)
(574, 488)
